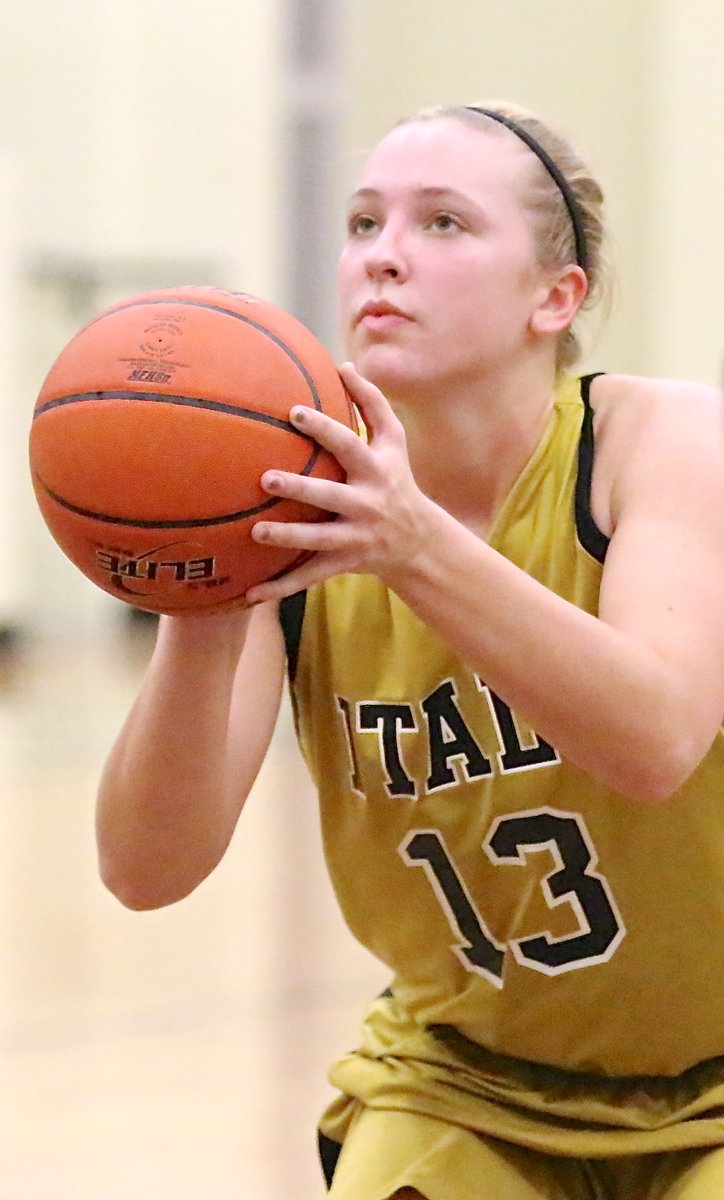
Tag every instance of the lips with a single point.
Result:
(380, 308)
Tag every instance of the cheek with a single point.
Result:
(345, 284)
(495, 294)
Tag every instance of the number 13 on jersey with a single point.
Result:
(573, 881)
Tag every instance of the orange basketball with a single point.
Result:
(151, 432)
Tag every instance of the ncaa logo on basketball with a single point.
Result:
(145, 376)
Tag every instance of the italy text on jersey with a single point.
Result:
(439, 719)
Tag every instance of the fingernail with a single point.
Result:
(271, 482)
(298, 416)
(261, 533)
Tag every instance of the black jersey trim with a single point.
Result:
(291, 619)
(329, 1153)
(589, 535)
(567, 1082)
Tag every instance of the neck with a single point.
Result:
(468, 446)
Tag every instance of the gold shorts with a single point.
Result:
(386, 1150)
(426, 1109)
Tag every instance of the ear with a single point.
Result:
(561, 300)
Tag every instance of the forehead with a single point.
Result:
(446, 153)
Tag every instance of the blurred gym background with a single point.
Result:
(182, 1054)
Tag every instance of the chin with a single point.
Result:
(389, 369)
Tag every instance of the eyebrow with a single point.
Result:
(429, 192)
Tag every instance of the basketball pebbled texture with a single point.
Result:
(151, 432)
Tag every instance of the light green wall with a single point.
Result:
(637, 85)
(685, 97)
(144, 142)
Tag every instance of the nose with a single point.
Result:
(386, 257)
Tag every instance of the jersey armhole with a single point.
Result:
(291, 619)
(594, 542)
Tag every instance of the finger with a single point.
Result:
(320, 493)
(314, 570)
(302, 535)
(374, 406)
(346, 446)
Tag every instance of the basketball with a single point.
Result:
(151, 432)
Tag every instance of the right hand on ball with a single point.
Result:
(381, 519)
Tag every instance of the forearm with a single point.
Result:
(166, 805)
(604, 699)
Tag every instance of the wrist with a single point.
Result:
(415, 563)
(204, 633)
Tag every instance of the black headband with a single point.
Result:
(574, 208)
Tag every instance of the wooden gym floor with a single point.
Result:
(179, 1054)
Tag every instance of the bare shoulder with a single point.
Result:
(650, 432)
(629, 399)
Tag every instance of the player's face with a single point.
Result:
(439, 275)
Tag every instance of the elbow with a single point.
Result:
(651, 789)
(658, 777)
(142, 898)
(133, 894)
(138, 900)
(141, 890)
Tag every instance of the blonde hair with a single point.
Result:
(551, 224)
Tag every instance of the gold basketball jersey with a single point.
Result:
(518, 903)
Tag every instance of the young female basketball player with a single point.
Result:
(507, 665)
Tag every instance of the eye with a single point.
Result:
(359, 224)
(445, 222)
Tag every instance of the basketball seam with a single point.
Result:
(143, 523)
(156, 397)
(162, 398)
